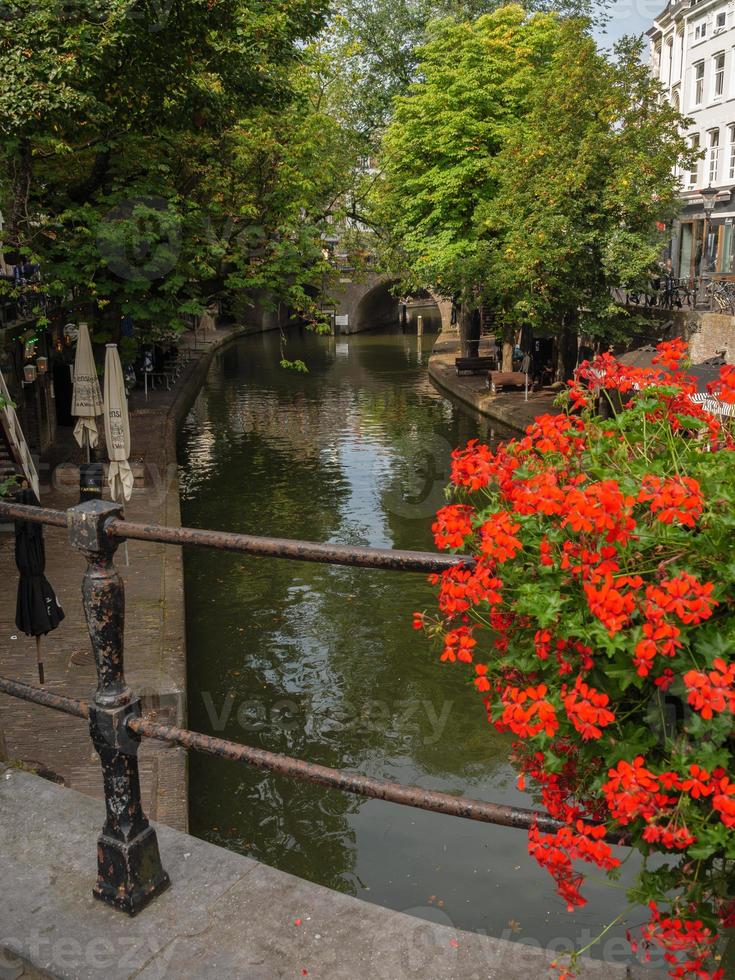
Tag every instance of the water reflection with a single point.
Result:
(321, 662)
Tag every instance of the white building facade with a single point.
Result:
(693, 55)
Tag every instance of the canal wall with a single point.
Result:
(225, 916)
(706, 333)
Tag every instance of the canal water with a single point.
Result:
(322, 663)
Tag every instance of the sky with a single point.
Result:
(628, 17)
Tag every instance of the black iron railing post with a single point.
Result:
(129, 870)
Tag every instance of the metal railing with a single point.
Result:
(129, 869)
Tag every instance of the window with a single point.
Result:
(731, 156)
(657, 57)
(700, 30)
(698, 93)
(685, 251)
(725, 254)
(713, 156)
(720, 21)
(693, 178)
(680, 56)
(718, 64)
(676, 99)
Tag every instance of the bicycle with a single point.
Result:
(721, 296)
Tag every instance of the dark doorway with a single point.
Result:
(63, 389)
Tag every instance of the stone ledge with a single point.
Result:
(225, 916)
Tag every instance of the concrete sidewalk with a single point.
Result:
(225, 917)
(510, 408)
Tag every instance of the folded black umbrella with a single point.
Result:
(37, 610)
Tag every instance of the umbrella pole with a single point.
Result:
(39, 658)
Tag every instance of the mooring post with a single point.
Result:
(129, 870)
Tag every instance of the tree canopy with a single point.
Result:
(156, 154)
(379, 44)
(527, 170)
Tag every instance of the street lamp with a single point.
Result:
(709, 197)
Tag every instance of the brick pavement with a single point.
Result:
(155, 655)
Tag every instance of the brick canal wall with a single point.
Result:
(155, 647)
(706, 333)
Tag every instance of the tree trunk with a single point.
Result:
(509, 342)
(21, 190)
(566, 350)
(465, 323)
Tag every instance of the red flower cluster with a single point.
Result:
(612, 606)
(684, 596)
(527, 712)
(463, 587)
(498, 540)
(453, 525)
(555, 852)
(587, 709)
(671, 353)
(689, 937)
(607, 533)
(600, 508)
(471, 467)
(712, 690)
(678, 499)
(724, 387)
(632, 791)
(458, 645)
(554, 434)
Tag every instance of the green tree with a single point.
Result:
(439, 149)
(584, 187)
(127, 130)
(378, 43)
(528, 170)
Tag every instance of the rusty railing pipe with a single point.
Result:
(313, 551)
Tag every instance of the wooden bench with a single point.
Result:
(498, 380)
(474, 365)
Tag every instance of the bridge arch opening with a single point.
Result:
(379, 307)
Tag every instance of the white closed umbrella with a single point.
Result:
(86, 402)
(117, 427)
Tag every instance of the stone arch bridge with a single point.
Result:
(368, 301)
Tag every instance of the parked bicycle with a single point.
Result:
(721, 296)
(666, 293)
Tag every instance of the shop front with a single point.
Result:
(706, 247)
